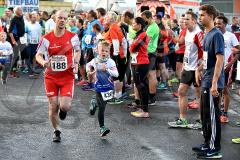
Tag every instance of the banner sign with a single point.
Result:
(27, 5)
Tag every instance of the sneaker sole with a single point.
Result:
(57, 140)
(213, 157)
(179, 126)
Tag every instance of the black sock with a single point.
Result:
(158, 79)
(151, 96)
(137, 101)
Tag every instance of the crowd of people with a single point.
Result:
(109, 52)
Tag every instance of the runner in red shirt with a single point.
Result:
(180, 47)
(61, 50)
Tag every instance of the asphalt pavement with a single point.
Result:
(26, 133)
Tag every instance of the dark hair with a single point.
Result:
(175, 21)
(102, 11)
(225, 20)
(54, 12)
(167, 16)
(80, 21)
(183, 15)
(140, 20)
(45, 13)
(210, 10)
(193, 15)
(93, 14)
(97, 27)
(235, 17)
(72, 10)
(129, 14)
(147, 13)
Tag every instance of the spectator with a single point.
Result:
(16, 31)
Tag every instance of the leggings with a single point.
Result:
(101, 108)
(140, 79)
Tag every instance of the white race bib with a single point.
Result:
(23, 40)
(33, 40)
(88, 39)
(205, 59)
(59, 63)
(107, 95)
(134, 57)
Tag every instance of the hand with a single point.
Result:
(198, 77)
(214, 90)
(46, 64)
(104, 67)
(235, 50)
(15, 43)
(75, 68)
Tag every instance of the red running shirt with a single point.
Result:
(139, 47)
(61, 52)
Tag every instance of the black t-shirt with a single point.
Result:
(17, 27)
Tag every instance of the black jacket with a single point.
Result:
(17, 27)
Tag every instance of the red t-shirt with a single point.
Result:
(139, 48)
(181, 49)
(115, 32)
(61, 52)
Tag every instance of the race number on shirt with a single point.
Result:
(134, 57)
(59, 63)
(88, 39)
(205, 59)
(33, 40)
(107, 95)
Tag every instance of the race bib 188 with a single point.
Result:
(107, 95)
(59, 63)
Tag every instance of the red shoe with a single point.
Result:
(224, 119)
(193, 105)
(175, 94)
(82, 82)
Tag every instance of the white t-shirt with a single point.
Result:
(34, 32)
(230, 41)
(6, 48)
(49, 25)
(191, 50)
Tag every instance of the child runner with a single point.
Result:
(102, 69)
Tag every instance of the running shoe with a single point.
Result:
(179, 123)
(93, 107)
(193, 105)
(82, 82)
(224, 118)
(115, 101)
(169, 83)
(162, 86)
(88, 87)
(140, 114)
(238, 123)
(4, 81)
(197, 124)
(104, 131)
(132, 105)
(25, 70)
(201, 148)
(62, 114)
(175, 94)
(152, 102)
(174, 80)
(236, 140)
(56, 136)
(210, 154)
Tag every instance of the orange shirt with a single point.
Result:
(115, 32)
